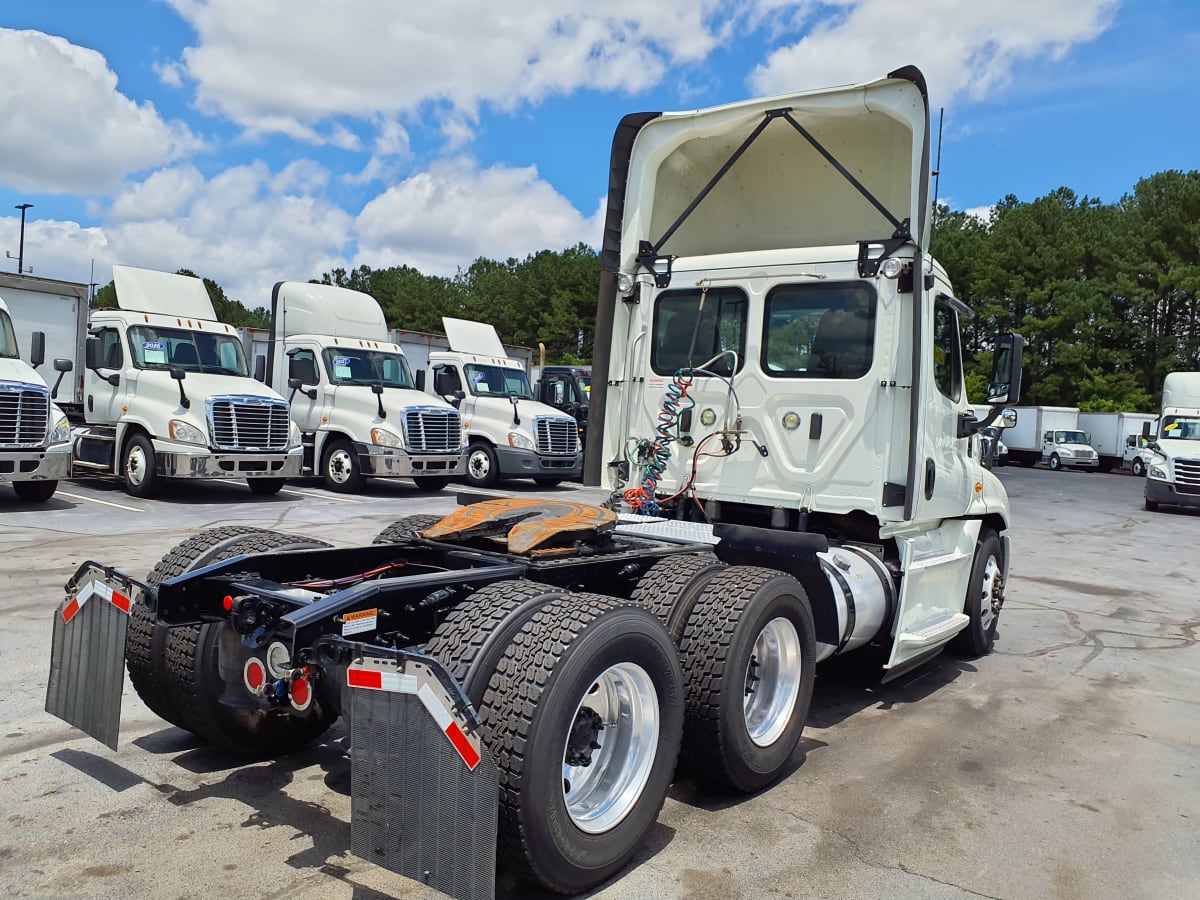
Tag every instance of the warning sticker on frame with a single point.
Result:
(356, 622)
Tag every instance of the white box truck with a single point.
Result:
(509, 434)
(1051, 435)
(1109, 435)
(1173, 473)
(35, 435)
(360, 411)
(820, 499)
(167, 393)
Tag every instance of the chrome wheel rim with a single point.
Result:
(772, 681)
(989, 603)
(610, 748)
(136, 464)
(479, 464)
(340, 466)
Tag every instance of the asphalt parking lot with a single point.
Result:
(1063, 765)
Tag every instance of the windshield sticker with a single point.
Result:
(154, 351)
(341, 367)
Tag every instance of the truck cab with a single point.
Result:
(1069, 448)
(360, 411)
(1173, 466)
(510, 434)
(167, 393)
(566, 388)
(35, 436)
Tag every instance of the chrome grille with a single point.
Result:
(1187, 476)
(556, 435)
(248, 423)
(24, 414)
(432, 430)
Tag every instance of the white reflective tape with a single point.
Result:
(89, 590)
(103, 591)
(398, 683)
(440, 714)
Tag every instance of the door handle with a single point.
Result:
(930, 478)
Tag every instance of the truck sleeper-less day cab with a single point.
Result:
(538, 666)
(510, 434)
(1173, 471)
(568, 389)
(35, 436)
(358, 407)
(167, 394)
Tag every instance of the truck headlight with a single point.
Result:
(520, 441)
(383, 438)
(61, 432)
(1157, 472)
(295, 439)
(186, 433)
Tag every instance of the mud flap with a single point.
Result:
(87, 658)
(423, 792)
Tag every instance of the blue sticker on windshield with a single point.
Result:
(341, 360)
(153, 345)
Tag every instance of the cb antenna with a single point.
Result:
(937, 170)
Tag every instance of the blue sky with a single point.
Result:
(255, 142)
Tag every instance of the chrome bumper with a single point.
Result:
(392, 462)
(206, 464)
(52, 464)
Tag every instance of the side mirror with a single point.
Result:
(1005, 383)
(37, 349)
(377, 388)
(1008, 418)
(295, 384)
(420, 379)
(63, 365)
(91, 353)
(260, 368)
(179, 375)
(560, 393)
(1145, 429)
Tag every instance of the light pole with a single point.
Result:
(21, 249)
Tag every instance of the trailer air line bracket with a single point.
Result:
(649, 255)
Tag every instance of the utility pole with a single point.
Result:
(21, 250)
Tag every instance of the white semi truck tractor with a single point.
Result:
(360, 411)
(167, 393)
(35, 436)
(778, 409)
(1173, 465)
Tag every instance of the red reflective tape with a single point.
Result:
(364, 678)
(69, 611)
(120, 601)
(469, 754)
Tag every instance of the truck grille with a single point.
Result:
(24, 414)
(555, 435)
(1187, 475)
(248, 423)
(432, 430)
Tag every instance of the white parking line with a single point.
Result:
(103, 502)
(320, 496)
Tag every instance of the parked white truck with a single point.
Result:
(539, 667)
(167, 394)
(510, 435)
(1050, 434)
(1109, 435)
(360, 411)
(35, 436)
(1173, 475)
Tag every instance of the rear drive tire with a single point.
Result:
(340, 467)
(265, 487)
(671, 587)
(405, 529)
(749, 657)
(583, 716)
(430, 482)
(34, 491)
(982, 604)
(138, 467)
(483, 467)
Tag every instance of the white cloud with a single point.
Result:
(962, 46)
(443, 219)
(284, 65)
(66, 127)
(164, 194)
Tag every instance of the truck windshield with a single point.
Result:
(585, 387)
(8, 340)
(1070, 437)
(192, 351)
(359, 366)
(1181, 428)
(488, 380)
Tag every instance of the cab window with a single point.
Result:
(947, 354)
(819, 331)
(693, 326)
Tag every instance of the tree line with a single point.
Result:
(1104, 294)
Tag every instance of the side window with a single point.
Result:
(446, 380)
(691, 327)
(303, 365)
(819, 331)
(112, 356)
(947, 356)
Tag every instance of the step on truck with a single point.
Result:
(1173, 463)
(167, 394)
(792, 481)
(35, 435)
(360, 410)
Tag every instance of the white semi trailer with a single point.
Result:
(522, 675)
(360, 411)
(1173, 471)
